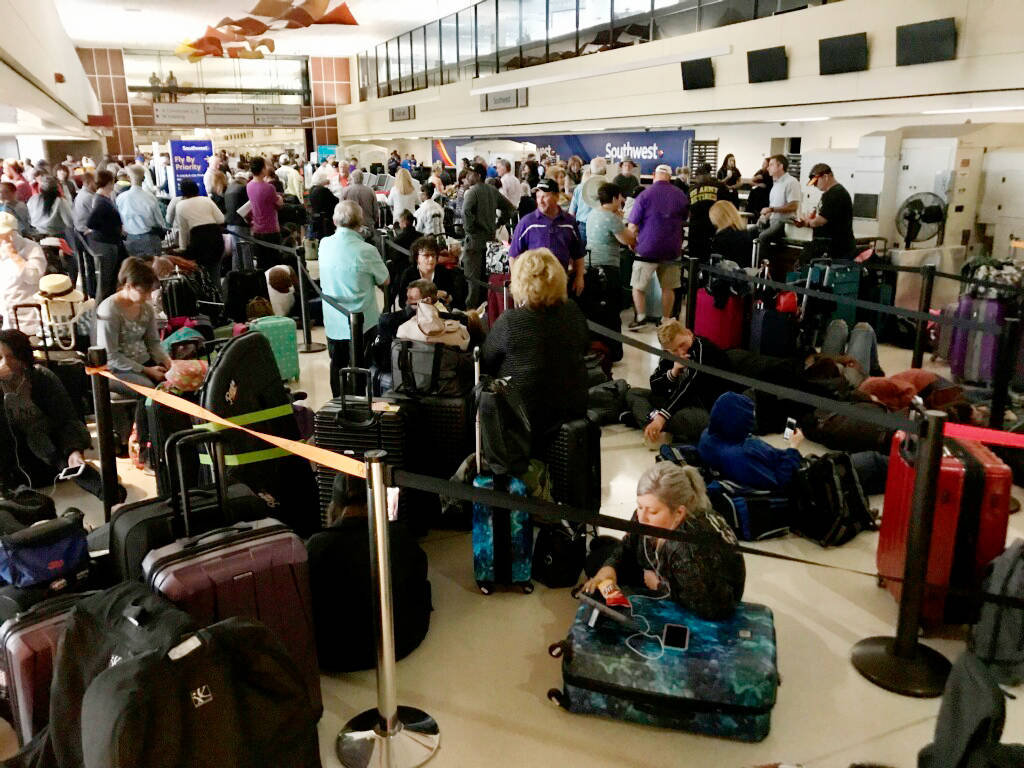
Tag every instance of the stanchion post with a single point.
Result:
(692, 271)
(901, 664)
(389, 735)
(355, 320)
(924, 304)
(97, 358)
(1006, 367)
(308, 345)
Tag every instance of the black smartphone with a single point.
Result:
(676, 637)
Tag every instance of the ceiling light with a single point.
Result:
(797, 120)
(133, 10)
(970, 109)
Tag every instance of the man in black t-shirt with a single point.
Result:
(832, 224)
(705, 191)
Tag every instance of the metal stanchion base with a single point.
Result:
(923, 675)
(313, 346)
(361, 745)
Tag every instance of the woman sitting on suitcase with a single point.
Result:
(126, 327)
(41, 434)
(706, 576)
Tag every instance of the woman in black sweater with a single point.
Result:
(540, 344)
(732, 240)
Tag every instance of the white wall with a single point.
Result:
(33, 42)
(990, 51)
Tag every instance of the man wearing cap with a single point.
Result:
(22, 263)
(552, 228)
(783, 202)
(657, 218)
(831, 222)
(290, 178)
(481, 207)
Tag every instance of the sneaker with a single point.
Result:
(636, 325)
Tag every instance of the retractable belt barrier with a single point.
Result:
(911, 314)
(974, 281)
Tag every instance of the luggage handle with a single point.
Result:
(478, 445)
(39, 312)
(343, 417)
(236, 527)
(181, 503)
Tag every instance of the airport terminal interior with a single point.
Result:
(914, 110)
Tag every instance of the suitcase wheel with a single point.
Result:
(485, 587)
(556, 650)
(556, 697)
(881, 582)
(526, 587)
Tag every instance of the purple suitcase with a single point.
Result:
(256, 570)
(974, 353)
(28, 644)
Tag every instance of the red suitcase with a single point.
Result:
(28, 644)
(971, 517)
(498, 299)
(256, 570)
(723, 327)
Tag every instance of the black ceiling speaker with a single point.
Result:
(926, 42)
(767, 65)
(847, 53)
(698, 73)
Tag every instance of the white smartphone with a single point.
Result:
(69, 473)
(790, 429)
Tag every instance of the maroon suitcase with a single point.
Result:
(28, 644)
(256, 570)
(497, 296)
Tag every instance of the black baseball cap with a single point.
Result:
(819, 169)
(546, 185)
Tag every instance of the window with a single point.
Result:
(595, 20)
(561, 29)
(383, 84)
(432, 42)
(394, 83)
(509, 35)
(485, 38)
(674, 17)
(467, 43)
(419, 59)
(449, 49)
(534, 31)
(405, 60)
(719, 13)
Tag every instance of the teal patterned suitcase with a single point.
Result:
(280, 332)
(722, 684)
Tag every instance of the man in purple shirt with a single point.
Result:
(264, 202)
(552, 228)
(657, 219)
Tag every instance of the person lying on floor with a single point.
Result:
(729, 447)
(41, 433)
(705, 577)
(675, 408)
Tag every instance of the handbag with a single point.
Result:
(559, 554)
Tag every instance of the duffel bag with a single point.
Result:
(46, 552)
(753, 515)
(424, 368)
(830, 505)
(28, 506)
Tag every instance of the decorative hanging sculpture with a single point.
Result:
(244, 37)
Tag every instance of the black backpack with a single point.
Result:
(559, 554)
(504, 427)
(829, 505)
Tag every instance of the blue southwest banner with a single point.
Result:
(188, 161)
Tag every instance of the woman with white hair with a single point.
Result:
(403, 195)
(706, 575)
(350, 271)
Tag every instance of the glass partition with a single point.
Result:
(419, 59)
(534, 31)
(383, 86)
(509, 35)
(720, 13)
(432, 55)
(449, 49)
(561, 29)
(674, 17)
(486, 36)
(467, 43)
(595, 26)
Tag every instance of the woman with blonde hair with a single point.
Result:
(436, 172)
(540, 344)
(403, 195)
(732, 240)
(705, 576)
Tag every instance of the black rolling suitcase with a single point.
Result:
(355, 424)
(164, 422)
(240, 287)
(136, 529)
(178, 296)
(573, 456)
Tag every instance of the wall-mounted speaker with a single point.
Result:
(767, 65)
(847, 53)
(926, 42)
(698, 73)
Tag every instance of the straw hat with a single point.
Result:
(8, 223)
(58, 287)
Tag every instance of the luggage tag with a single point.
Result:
(184, 648)
(381, 406)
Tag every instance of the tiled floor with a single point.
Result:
(483, 670)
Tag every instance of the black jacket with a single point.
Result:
(63, 426)
(732, 244)
(693, 388)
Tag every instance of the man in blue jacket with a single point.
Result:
(729, 447)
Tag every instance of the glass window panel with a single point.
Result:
(393, 68)
(561, 29)
(509, 35)
(485, 38)
(534, 20)
(405, 54)
(673, 18)
(223, 73)
(432, 41)
(419, 59)
(383, 88)
(289, 72)
(595, 17)
(466, 36)
(721, 13)
(449, 49)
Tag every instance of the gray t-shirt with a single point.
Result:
(784, 191)
(602, 226)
